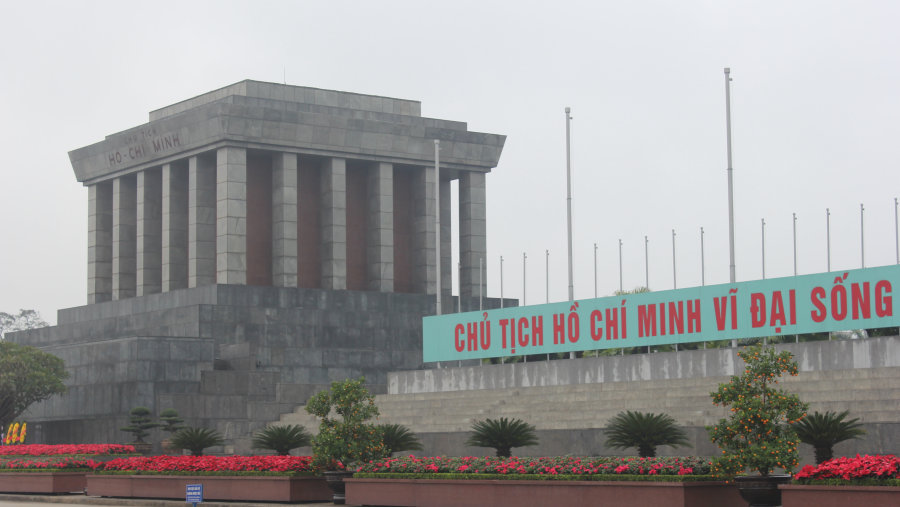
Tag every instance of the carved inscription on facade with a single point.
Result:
(143, 144)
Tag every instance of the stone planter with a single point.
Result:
(42, 482)
(796, 495)
(489, 493)
(215, 487)
(761, 491)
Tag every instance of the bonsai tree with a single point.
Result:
(822, 431)
(502, 435)
(171, 423)
(398, 438)
(758, 435)
(282, 439)
(140, 424)
(644, 431)
(197, 439)
(345, 437)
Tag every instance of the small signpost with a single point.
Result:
(194, 494)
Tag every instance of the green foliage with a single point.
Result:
(197, 439)
(536, 477)
(25, 319)
(502, 435)
(282, 439)
(171, 422)
(140, 424)
(823, 431)
(398, 438)
(27, 375)
(345, 438)
(644, 431)
(758, 435)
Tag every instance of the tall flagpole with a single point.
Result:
(501, 281)
(569, 200)
(437, 222)
(731, 270)
(795, 243)
(646, 263)
(828, 238)
(524, 260)
(862, 235)
(702, 260)
(674, 280)
(595, 267)
(621, 288)
(763, 220)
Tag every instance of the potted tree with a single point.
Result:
(140, 424)
(345, 438)
(758, 436)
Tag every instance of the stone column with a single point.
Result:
(149, 232)
(472, 231)
(284, 220)
(174, 227)
(124, 238)
(231, 216)
(201, 221)
(333, 220)
(100, 224)
(380, 228)
(423, 231)
(447, 267)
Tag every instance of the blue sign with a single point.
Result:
(194, 494)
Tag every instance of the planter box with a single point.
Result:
(795, 495)
(42, 482)
(489, 493)
(216, 487)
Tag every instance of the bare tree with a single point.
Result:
(25, 319)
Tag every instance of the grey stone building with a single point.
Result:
(250, 245)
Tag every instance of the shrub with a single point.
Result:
(644, 431)
(282, 439)
(758, 434)
(502, 435)
(398, 438)
(822, 431)
(197, 439)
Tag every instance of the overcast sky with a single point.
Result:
(815, 108)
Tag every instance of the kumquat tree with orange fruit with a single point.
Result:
(758, 435)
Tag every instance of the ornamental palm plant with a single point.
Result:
(282, 439)
(502, 435)
(398, 438)
(823, 431)
(197, 439)
(644, 431)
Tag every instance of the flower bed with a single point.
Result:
(863, 480)
(65, 449)
(213, 465)
(227, 478)
(477, 481)
(547, 467)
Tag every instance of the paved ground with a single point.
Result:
(82, 500)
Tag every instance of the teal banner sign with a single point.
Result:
(836, 301)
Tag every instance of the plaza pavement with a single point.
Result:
(83, 500)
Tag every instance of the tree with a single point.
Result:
(345, 438)
(502, 435)
(644, 431)
(759, 434)
(26, 319)
(170, 421)
(140, 424)
(823, 431)
(27, 375)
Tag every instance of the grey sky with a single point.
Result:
(815, 112)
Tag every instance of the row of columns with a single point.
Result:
(185, 224)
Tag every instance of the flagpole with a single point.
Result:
(437, 222)
(569, 200)
(731, 268)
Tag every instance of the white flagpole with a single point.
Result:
(437, 222)
(569, 201)
(501, 281)
(731, 268)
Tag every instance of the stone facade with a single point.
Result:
(248, 246)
